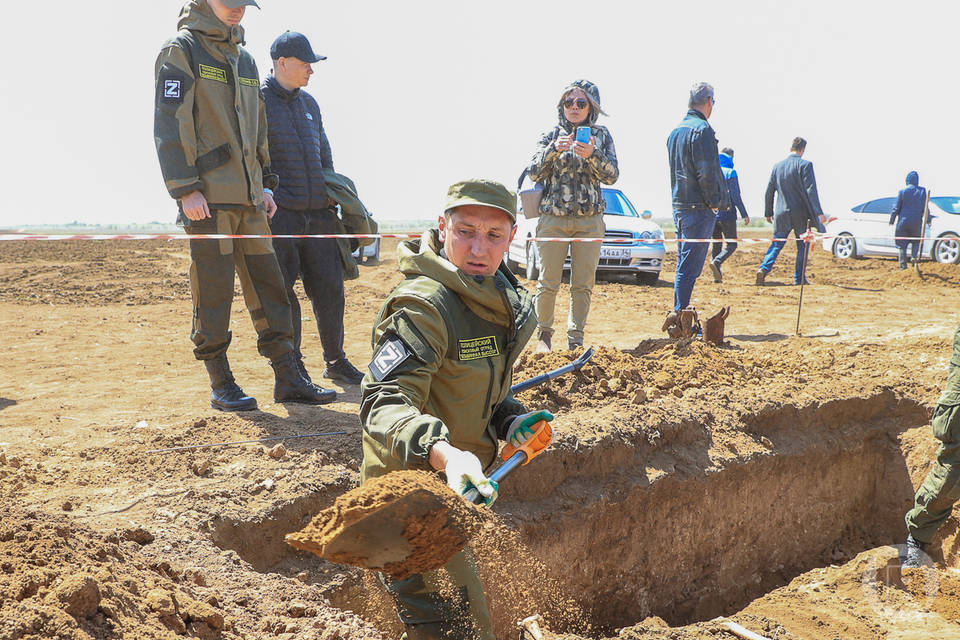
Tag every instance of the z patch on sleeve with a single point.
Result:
(391, 355)
(172, 89)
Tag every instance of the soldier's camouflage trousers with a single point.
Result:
(211, 282)
(941, 488)
(444, 604)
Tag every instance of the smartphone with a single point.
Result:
(583, 135)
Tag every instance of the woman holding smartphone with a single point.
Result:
(571, 161)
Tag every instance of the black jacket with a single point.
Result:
(696, 179)
(299, 149)
(798, 203)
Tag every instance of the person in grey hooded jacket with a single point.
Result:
(909, 208)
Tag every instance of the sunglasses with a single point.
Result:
(580, 102)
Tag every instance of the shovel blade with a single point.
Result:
(415, 525)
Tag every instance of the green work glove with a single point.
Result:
(464, 472)
(520, 429)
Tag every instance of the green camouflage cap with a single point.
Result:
(485, 193)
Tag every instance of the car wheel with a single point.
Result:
(947, 249)
(532, 271)
(845, 247)
(648, 278)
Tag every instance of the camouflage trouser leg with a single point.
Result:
(211, 281)
(444, 604)
(941, 488)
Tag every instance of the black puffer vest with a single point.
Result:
(297, 151)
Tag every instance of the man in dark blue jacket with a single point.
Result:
(798, 208)
(300, 152)
(699, 189)
(910, 207)
(726, 224)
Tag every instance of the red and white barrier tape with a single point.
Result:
(220, 236)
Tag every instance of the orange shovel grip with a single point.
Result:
(534, 445)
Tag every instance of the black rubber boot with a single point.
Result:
(290, 385)
(343, 371)
(225, 394)
(916, 554)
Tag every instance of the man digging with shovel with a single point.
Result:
(437, 394)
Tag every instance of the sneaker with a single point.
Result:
(717, 274)
(573, 345)
(543, 343)
(761, 276)
(916, 554)
(343, 371)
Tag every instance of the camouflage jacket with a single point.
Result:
(951, 394)
(210, 122)
(571, 184)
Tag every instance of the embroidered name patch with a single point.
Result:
(477, 348)
(391, 355)
(213, 73)
(249, 82)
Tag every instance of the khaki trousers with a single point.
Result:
(212, 267)
(584, 258)
(940, 490)
(443, 604)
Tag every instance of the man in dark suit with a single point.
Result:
(798, 207)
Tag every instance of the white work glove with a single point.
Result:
(464, 472)
(520, 429)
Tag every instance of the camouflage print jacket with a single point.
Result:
(571, 184)
(210, 122)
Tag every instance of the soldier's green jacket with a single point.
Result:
(951, 394)
(210, 122)
(571, 184)
(461, 336)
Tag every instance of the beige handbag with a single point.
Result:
(530, 198)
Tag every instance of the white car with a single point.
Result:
(641, 254)
(866, 231)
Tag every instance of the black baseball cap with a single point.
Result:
(236, 4)
(294, 45)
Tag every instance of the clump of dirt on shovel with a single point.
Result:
(434, 535)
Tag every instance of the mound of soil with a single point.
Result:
(64, 581)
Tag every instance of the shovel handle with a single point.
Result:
(534, 445)
(515, 457)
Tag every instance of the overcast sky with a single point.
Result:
(417, 95)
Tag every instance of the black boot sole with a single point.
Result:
(306, 400)
(342, 379)
(229, 409)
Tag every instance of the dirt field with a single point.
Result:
(763, 481)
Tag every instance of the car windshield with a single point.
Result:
(950, 205)
(618, 205)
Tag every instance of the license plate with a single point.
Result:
(615, 253)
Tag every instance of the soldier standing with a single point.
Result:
(941, 488)
(437, 394)
(210, 131)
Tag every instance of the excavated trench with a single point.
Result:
(627, 529)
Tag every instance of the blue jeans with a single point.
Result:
(691, 223)
(775, 247)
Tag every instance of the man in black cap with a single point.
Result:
(210, 132)
(300, 152)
